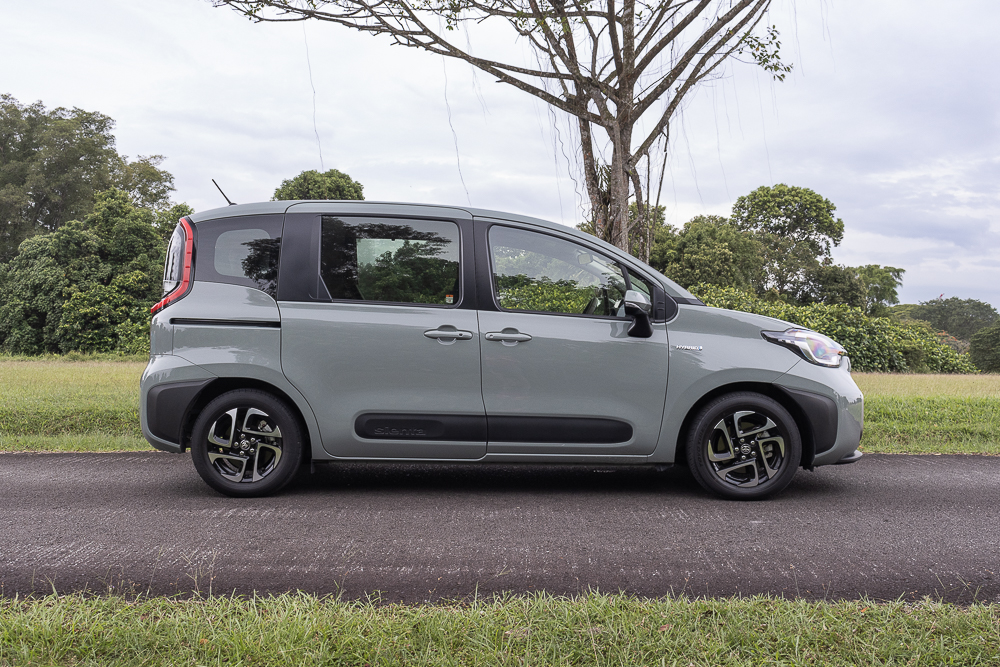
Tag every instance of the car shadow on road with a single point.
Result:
(478, 478)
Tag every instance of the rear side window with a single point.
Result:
(240, 251)
(389, 260)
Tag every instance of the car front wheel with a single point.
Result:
(744, 446)
(246, 443)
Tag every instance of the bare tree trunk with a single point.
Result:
(597, 196)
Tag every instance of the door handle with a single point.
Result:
(448, 334)
(508, 337)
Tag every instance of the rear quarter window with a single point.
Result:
(240, 251)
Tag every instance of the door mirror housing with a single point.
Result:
(634, 299)
(638, 307)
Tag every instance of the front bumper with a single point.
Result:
(839, 442)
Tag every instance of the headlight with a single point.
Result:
(813, 347)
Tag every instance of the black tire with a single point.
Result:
(246, 443)
(759, 464)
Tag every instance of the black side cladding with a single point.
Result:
(472, 428)
(821, 412)
(166, 405)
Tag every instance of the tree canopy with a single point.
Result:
(776, 244)
(52, 164)
(962, 318)
(312, 184)
(86, 286)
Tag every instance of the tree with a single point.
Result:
(871, 287)
(881, 285)
(621, 69)
(984, 349)
(797, 229)
(708, 250)
(53, 162)
(86, 286)
(962, 318)
(833, 284)
(312, 184)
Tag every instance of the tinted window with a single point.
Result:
(640, 285)
(396, 261)
(240, 251)
(543, 273)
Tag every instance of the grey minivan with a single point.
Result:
(292, 332)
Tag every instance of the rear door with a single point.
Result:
(561, 375)
(379, 329)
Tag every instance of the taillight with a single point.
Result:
(187, 257)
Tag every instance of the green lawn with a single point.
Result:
(931, 414)
(61, 405)
(516, 631)
(64, 405)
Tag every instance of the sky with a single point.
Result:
(891, 111)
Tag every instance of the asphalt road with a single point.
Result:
(885, 527)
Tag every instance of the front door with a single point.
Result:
(385, 343)
(561, 375)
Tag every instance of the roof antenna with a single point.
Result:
(231, 203)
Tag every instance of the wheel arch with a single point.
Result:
(767, 389)
(221, 385)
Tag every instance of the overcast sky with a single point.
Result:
(892, 112)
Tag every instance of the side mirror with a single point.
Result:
(636, 299)
(638, 307)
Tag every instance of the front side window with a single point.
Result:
(394, 261)
(542, 273)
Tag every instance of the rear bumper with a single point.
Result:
(169, 386)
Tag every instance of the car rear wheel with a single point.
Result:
(246, 443)
(744, 446)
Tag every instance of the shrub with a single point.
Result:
(984, 349)
(874, 344)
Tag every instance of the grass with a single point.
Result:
(594, 629)
(931, 414)
(58, 405)
(80, 403)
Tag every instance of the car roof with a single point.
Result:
(407, 208)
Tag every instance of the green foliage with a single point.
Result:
(796, 228)
(881, 285)
(708, 250)
(961, 318)
(873, 343)
(834, 284)
(312, 184)
(52, 164)
(984, 349)
(145, 184)
(543, 294)
(411, 274)
(766, 52)
(165, 220)
(86, 286)
(872, 288)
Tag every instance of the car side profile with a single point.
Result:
(292, 332)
